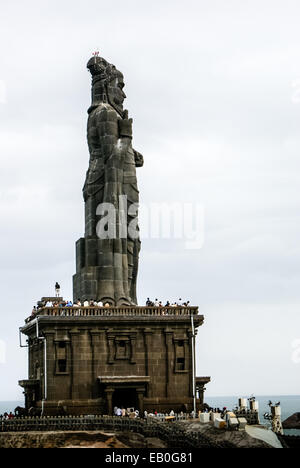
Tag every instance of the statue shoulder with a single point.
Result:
(104, 112)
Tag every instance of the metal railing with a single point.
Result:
(171, 433)
(136, 311)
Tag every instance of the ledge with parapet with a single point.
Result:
(202, 380)
(134, 311)
(104, 321)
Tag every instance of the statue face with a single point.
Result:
(115, 92)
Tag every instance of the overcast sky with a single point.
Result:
(213, 87)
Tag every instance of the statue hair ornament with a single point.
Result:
(101, 70)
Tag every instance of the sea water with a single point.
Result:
(7, 406)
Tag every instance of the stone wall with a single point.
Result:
(89, 357)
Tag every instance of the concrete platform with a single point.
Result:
(264, 434)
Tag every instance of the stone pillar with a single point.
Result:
(190, 361)
(109, 394)
(148, 359)
(186, 353)
(111, 349)
(169, 360)
(27, 402)
(201, 390)
(75, 341)
(50, 370)
(140, 394)
(95, 340)
(133, 348)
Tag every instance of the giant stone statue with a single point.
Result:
(107, 257)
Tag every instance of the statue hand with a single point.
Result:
(139, 159)
(125, 126)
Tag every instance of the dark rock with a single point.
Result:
(293, 422)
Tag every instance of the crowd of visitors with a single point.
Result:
(6, 416)
(134, 413)
(58, 302)
(93, 303)
(78, 303)
(62, 304)
(158, 303)
(129, 412)
(154, 414)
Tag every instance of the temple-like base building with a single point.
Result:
(87, 360)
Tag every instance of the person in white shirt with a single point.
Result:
(49, 304)
(86, 304)
(100, 304)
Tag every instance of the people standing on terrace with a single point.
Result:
(158, 303)
(58, 306)
(62, 308)
(93, 303)
(57, 289)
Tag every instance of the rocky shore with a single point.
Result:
(252, 437)
(293, 422)
(77, 439)
(119, 440)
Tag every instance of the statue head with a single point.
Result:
(107, 83)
